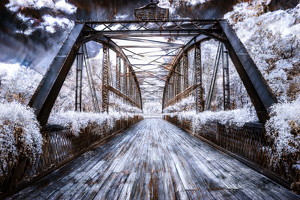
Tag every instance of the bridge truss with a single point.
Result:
(176, 87)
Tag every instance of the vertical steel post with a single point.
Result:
(126, 82)
(198, 78)
(130, 86)
(179, 81)
(168, 93)
(176, 82)
(118, 76)
(226, 81)
(185, 63)
(118, 71)
(78, 90)
(172, 87)
(134, 93)
(105, 81)
(123, 88)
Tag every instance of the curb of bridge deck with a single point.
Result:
(65, 162)
(285, 183)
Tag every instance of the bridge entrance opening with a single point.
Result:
(157, 59)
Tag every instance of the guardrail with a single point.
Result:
(251, 145)
(60, 146)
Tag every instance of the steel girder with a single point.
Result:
(124, 29)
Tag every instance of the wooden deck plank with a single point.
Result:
(154, 160)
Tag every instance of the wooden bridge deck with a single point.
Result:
(154, 160)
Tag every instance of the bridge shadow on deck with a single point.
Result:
(154, 160)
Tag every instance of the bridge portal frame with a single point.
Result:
(202, 30)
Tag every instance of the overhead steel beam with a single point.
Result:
(153, 28)
(143, 40)
(145, 33)
(147, 64)
(129, 22)
(145, 54)
(153, 91)
(151, 99)
(160, 55)
(164, 47)
(155, 60)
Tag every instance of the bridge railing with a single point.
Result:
(249, 144)
(60, 146)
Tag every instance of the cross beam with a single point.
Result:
(119, 29)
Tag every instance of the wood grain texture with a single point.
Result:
(154, 159)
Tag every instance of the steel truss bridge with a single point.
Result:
(152, 158)
(124, 83)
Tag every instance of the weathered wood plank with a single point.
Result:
(154, 160)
